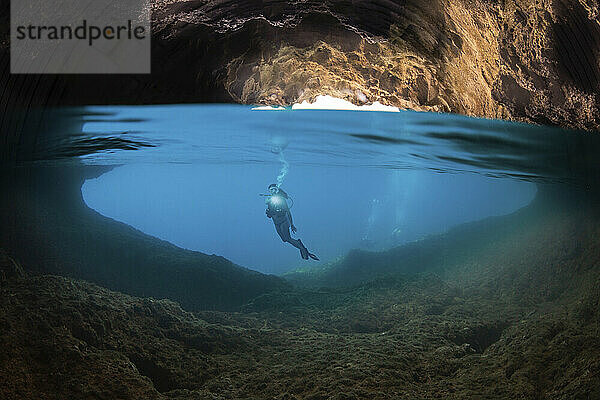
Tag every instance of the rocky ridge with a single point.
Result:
(517, 320)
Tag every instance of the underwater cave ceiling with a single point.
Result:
(534, 61)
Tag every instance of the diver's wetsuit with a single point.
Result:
(278, 210)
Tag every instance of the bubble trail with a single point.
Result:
(284, 169)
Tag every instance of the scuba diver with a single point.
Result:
(279, 212)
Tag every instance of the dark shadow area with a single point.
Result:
(479, 337)
(577, 46)
(159, 376)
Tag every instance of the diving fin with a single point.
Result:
(304, 253)
(311, 255)
(303, 250)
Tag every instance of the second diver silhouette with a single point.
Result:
(279, 212)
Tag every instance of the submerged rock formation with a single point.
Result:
(517, 318)
(549, 224)
(534, 61)
(48, 227)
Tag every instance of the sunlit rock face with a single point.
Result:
(418, 55)
(530, 60)
(525, 60)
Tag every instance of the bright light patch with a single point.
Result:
(333, 103)
(276, 200)
(269, 108)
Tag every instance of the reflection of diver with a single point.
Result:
(279, 212)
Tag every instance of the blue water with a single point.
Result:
(368, 180)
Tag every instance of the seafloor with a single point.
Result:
(510, 314)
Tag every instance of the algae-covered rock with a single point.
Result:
(9, 268)
(514, 317)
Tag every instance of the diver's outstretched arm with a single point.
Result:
(291, 221)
